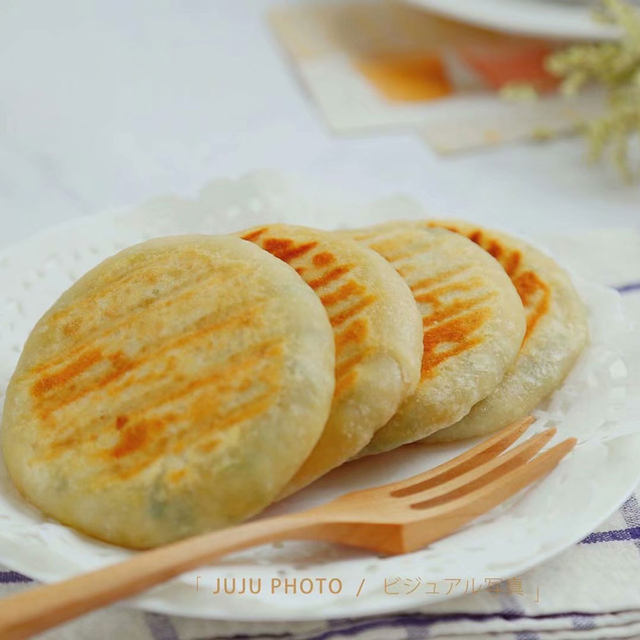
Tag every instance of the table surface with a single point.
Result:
(105, 104)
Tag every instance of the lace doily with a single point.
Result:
(595, 404)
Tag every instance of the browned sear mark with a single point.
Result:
(356, 332)
(533, 291)
(120, 364)
(347, 290)
(495, 249)
(286, 249)
(329, 276)
(453, 309)
(323, 259)
(63, 377)
(512, 263)
(143, 438)
(427, 283)
(136, 436)
(340, 317)
(476, 236)
(433, 297)
(254, 235)
(536, 297)
(458, 336)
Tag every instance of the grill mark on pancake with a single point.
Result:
(286, 249)
(458, 332)
(450, 323)
(265, 372)
(330, 276)
(130, 464)
(536, 298)
(226, 377)
(348, 290)
(527, 283)
(141, 433)
(494, 249)
(534, 293)
(338, 318)
(246, 411)
(73, 369)
(185, 290)
(433, 296)
(118, 359)
(240, 363)
(121, 364)
(221, 375)
(203, 438)
(136, 436)
(449, 328)
(512, 263)
(509, 259)
(476, 236)
(346, 375)
(323, 259)
(427, 283)
(356, 332)
(254, 235)
(455, 308)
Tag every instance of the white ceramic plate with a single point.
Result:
(563, 19)
(531, 527)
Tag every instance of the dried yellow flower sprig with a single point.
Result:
(616, 66)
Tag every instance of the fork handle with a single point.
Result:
(46, 606)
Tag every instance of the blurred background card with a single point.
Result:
(377, 64)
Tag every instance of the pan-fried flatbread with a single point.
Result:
(556, 332)
(174, 388)
(377, 330)
(473, 324)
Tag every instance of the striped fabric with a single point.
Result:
(592, 590)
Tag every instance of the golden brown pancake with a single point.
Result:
(556, 331)
(473, 324)
(377, 331)
(174, 388)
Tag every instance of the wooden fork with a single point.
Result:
(393, 518)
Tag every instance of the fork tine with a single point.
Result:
(482, 474)
(485, 450)
(446, 518)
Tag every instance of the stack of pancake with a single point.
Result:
(186, 383)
